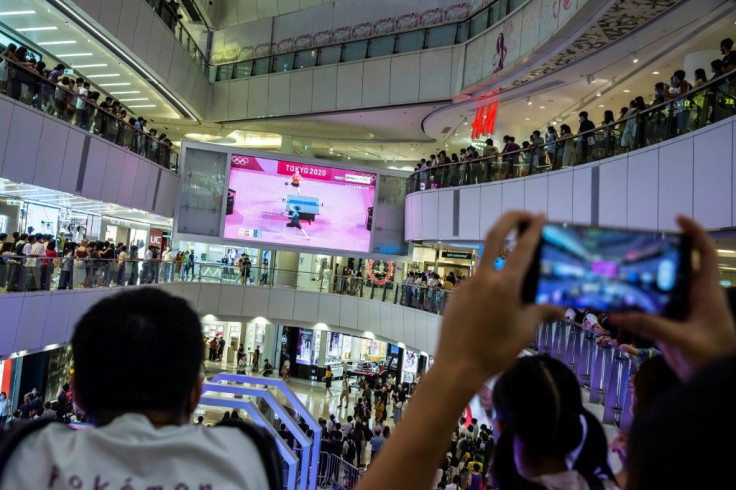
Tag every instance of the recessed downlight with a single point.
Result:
(54, 43)
(70, 55)
(32, 29)
(17, 12)
(93, 65)
(116, 84)
(104, 75)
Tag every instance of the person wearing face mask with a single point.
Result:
(586, 138)
(4, 409)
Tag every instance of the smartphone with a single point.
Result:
(608, 269)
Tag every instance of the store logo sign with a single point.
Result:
(485, 120)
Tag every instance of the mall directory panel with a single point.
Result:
(298, 204)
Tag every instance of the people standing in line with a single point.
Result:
(568, 151)
(256, 358)
(586, 138)
(4, 409)
(328, 381)
(344, 392)
(213, 349)
(286, 370)
(551, 147)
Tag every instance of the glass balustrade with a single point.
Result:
(677, 115)
(25, 85)
(22, 273)
(170, 17)
(401, 42)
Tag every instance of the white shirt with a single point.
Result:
(346, 428)
(80, 103)
(130, 449)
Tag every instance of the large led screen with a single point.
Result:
(289, 203)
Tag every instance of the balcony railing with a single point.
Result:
(170, 17)
(704, 105)
(22, 273)
(29, 87)
(402, 42)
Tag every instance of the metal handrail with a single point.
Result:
(708, 88)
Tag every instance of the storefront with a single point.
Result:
(9, 215)
(220, 262)
(443, 261)
(131, 233)
(229, 331)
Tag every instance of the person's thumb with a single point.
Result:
(652, 327)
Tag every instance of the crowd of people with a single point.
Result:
(641, 123)
(72, 99)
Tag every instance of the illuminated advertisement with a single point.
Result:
(304, 346)
(288, 203)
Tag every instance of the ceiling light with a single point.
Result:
(366, 153)
(18, 12)
(126, 92)
(542, 107)
(626, 91)
(69, 55)
(590, 79)
(601, 105)
(133, 100)
(140, 106)
(655, 73)
(465, 123)
(527, 119)
(634, 58)
(598, 94)
(554, 123)
(721, 251)
(31, 29)
(104, 75)
(116, 84)
(528, 101)
(53, 43)
(94, 65)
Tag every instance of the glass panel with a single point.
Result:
(478, 23)
(243, 69)
(330, 55)
(410, 41)
(441, 36)
(260, 66)
(202, 192)
(381, 46)
(495, 12)
(355, 51)
(463, 31)
(282, 62)
(224, 72)
(514, 4)
(306, 59)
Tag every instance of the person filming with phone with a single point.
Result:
(487, 324)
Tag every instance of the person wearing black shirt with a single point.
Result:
(729, 57)
(585, 138)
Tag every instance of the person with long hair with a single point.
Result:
(547, 439)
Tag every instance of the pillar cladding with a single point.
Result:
(695, 60)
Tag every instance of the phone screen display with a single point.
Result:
(612, 270)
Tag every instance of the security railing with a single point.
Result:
(677, 115)
(401, 42)
(25, 85)
(168, 14)
(25, 273)
(336, 473)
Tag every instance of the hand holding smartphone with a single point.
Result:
(608, 269)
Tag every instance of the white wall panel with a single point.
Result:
(349, 85)
(140, 185)
(11, 305)
(324, 89)
(22, 146)
(582, 195)
(712, 180)
(72, 160)
(613, 193)
(190, 292)
(404, 78)
(369, 316)
(491, 200)
(256, 302)
(166, 200)
(470, 209)
(675, 181)
(231, 300)
(530, 26)
(209, 298)
(559, 196)
(281, 304)
(513, 196)
(257, 97)
(50, 160)
(33, 320)
(151, 56)
(94, 172)
(300, 92)
(113, 172)
(134, 27)
(398, 323)
(56, 323)
(166, 52)
(386, 326)
(535, 194)
(329, 309)
(435, 75)
(409, 324)
(126, 31)
(376, 88)
(153, 176)
(473, 67)
(643, 186)
(222, 105)
(445, 214)
(348, 312)
(127, 179)
(306, 306)
(110, 16)
(278, 94)
(6, 116)
(90, 7)
(429, 213)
